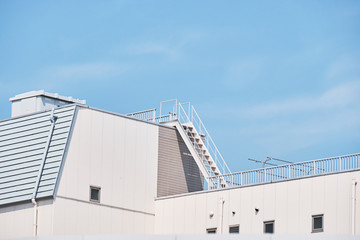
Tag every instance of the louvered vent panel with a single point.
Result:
(23, 141)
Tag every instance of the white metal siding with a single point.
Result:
(290, 204)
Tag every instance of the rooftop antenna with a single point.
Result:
(266, 162)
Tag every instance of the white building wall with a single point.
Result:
(120, 156)
(115, 153)
(290, 203)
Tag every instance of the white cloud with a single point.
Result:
(335, 98)
(295, 124)
(86, 71)
(344, 65)
(155, 48)
(169, 46)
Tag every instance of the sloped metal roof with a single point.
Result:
(32, 151)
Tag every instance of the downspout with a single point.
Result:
(221, 216)
(53, 119)
(35, 216)
(353, 206)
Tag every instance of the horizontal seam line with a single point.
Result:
(105, 205)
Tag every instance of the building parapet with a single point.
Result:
(289, 171)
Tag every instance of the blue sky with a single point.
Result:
(268, 78)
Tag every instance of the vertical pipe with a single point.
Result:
(221, 215)
(35, 217)
(353, 206)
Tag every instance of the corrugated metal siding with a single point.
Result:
(23, 142)
(177, 169)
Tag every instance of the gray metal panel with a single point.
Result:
(23, 141)
(177, 170)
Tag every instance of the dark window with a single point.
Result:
(269, 227)
(95, 194)
(211, 230)
(317, 223)
(234, 229)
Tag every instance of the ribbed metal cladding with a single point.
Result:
(23, 141)
(177, 169)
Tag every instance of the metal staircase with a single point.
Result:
(197, 141)
(196, 137)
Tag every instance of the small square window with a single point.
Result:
(211, 230)
(269, 227)
(95, 194)
(234, 229)
(317, 223)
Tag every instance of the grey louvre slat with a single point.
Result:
(19, 177)
(61, 131)
(29, 138)
(38, 125)
(23, 149)
(64, 119)
(17, 193)
(20, 160)
(11, 121)
(45, 182)
(20, 171)
(46, 188)
(17, 188)
(47, 177)
(17, 182)
(45, 194)
(53, 159)
(58, 142)
(59, 136)
(63, 125)
(19, 166)
(50, 171)
(23, 154)
(23, 144)
(64, 109)
(16, 199)
(52, 165)
(55, 153)
(56, 148)
(22, 124)
(25, 133)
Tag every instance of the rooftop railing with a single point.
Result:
(184, 113)
(290, 171)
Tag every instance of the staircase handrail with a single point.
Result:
(208, 140)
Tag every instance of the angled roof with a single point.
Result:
(32, 149)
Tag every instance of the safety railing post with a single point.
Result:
(314, 167)
(339, 163)
(264, 179)
(289, 173)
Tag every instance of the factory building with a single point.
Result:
(70, 169)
